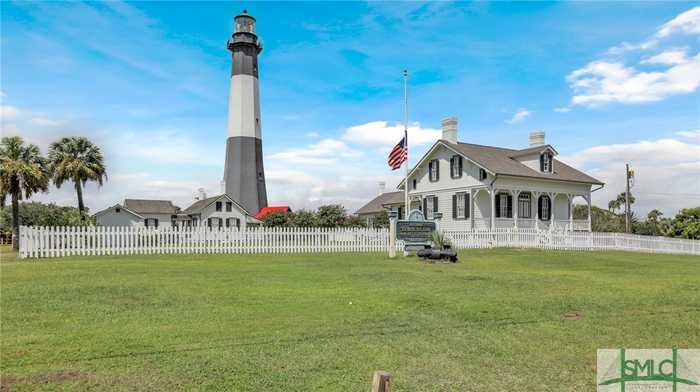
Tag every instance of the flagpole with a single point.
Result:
(405, 135)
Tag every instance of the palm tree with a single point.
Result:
(76, 159)
(23, 172)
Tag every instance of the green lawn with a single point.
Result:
(500, 320)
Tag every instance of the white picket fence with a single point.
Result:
(103, 240)
(567, 240)
(42, 242)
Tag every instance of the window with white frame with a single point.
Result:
(456, 166)
(545, 208)
(430, 204)
(503, 205)
(461, 205)
(524, 205)
(546, 159)
(433, 170)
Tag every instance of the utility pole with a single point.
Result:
(627, 198)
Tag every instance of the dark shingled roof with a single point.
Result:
(376, 204)
(501, 161)
(141, 206)
(199, 205)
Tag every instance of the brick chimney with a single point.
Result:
(450, 129)
(536, 139)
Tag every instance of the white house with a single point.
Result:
(217, 211)
(485, 187)
(138, 212)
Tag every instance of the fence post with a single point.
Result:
(381, 381)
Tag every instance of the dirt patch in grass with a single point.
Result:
(8, 383)
(573, 315)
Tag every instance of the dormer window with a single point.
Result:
(546, 162)
(482, 174)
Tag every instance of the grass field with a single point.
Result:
(500, 320)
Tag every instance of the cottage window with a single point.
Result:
(117, 210)
(456, 166)
(482, 174)
(524, 207)
(460, 205)
(415, 184)
(545, 207)
(434, 170)
(546, 162)
(430, 206)
(229, 207)
(218, 206)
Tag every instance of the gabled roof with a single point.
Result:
(377, 204)
(143, 206)
(501, 161)
(199, 205)
(115, 207)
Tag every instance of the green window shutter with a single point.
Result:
(425, 206)
(510, 206)
(435, 204)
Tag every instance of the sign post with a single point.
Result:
(392, 234)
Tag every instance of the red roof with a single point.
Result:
(265, 211)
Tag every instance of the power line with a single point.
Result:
(668, 194)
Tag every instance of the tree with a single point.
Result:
(601, 220)
(76, 159)
(23, 172)
(686, 224)
(614, 205)
(40, 214)
(276, 219)
(331, 216)
(302, 218)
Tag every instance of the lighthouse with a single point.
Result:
(244, 176)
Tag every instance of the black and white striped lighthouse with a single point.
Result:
(244, 175)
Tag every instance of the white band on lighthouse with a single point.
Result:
(244, 112)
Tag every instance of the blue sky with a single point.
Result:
(609, 82)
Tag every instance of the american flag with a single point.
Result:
(398, 155)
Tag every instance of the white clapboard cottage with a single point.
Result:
(219, 211)
(485, 187)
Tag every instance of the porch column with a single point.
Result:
(536, 200)
(493, 208)
(588, 201)
(571, 212)
(515, 195)
(552, 196)
(471, 208)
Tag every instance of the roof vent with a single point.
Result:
(450, 129)
(537, 139)
(382, 187)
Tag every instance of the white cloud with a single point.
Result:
(8, 112)
(562, 110)
(324, 152)
(613, 80)
(688, 22)
(602, 82)
(382, 134)
(693, 135)
(519, 116)
(669, 57)
(43, 121)
(665, 171)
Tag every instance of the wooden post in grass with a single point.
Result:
(392, 234)
(381, 382)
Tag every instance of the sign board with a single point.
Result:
(416, 231)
